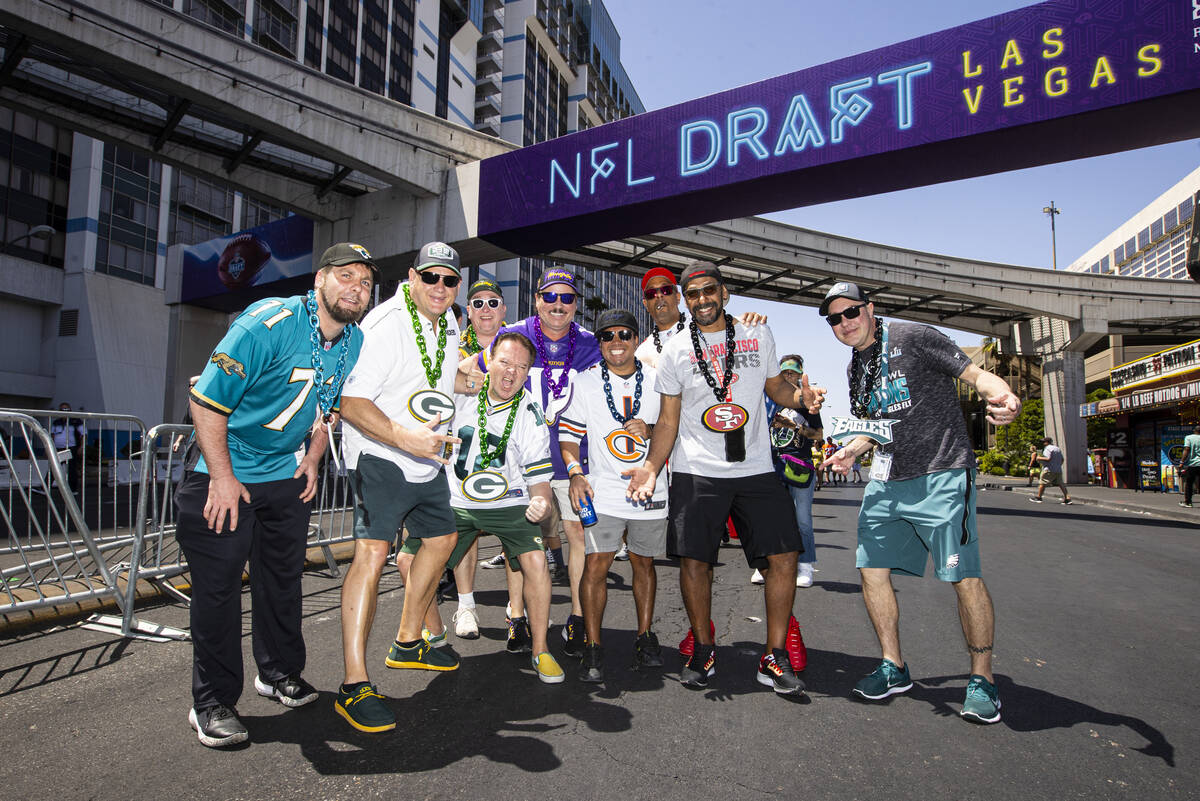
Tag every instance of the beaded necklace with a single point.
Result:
(867, 374)
(559, 385)
(471, 342)
(326, 393)
(657, 343)
(721, 389)
(432, 372)
(637, 392)
(486, 458)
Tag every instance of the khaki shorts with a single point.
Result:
(562, 494)
(1052, 478)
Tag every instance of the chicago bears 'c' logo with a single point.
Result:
(484, 485)
(428, 403)
(625, 447)
(230, 365)
(725, 417)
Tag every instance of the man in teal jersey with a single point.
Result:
(273, 381)
(1191, 465)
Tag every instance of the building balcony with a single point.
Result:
(489, 106)
(486, 86)
(487, 65)
(490, 43)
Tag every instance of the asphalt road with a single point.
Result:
(1095, 651)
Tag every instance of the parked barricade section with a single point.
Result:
(332, 520)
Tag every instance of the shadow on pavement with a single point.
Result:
(41, 672)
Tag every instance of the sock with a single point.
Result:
(558, 557)
(351, 689)
(466, 600)
(411, 644)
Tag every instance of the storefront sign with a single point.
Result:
(1164, 364)
(1163, 396)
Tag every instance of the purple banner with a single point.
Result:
(1055, 81)
(255, 257)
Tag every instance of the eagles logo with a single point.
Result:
(782, 436)
(484, 485)
(428, 403)
(230, 365)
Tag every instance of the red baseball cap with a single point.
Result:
(657, 272)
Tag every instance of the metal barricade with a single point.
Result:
(332, 520)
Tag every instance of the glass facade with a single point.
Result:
(35, 174)
(127, 236)
(1158, 250)
(276, 23)
(200, 210)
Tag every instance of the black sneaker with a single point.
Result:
(218, 726)
(363, 708)
(519, 641)
(699, 667)
(592, 667)
(775, 671)
(496, 562)
(560, 575)
(646, 651)
(573, 636)
(292, 691)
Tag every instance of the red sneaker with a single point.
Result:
(797, 653)
(687, 646)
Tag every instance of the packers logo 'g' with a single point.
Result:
(626, 447)
(230, 365)
(484, 485)
(428, 403)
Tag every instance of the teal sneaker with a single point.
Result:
(436, 640)
(363, 708)
(887, 679)
(422, 656)
(983, 702)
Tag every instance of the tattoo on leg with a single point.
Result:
(979, 649)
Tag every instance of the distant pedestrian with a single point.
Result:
(1191, 465)
(1033, 468)
(1052, 457)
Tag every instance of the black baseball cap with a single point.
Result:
(348, 253)
(699, 269)
(611, 318)
(484, 285)
(842, 289)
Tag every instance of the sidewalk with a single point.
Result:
(1154, 504)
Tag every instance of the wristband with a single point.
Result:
(572, 466)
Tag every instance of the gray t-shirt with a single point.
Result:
(1055, 456)
(930, 434)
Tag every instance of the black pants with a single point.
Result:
(271, 533)
(1191, 475)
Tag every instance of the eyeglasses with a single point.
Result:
(608, 336)
(491, 303)
(432, 278)
(708, 291)
(849, 313)
(658, 292)
(567, 298)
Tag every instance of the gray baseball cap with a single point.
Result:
(842, 289)
(437, 254)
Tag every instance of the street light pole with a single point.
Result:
(1052, 211)
(42, 232)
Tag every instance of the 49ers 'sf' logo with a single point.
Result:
(484, 485)
(725, 417)
(428, 403)
(624, 446)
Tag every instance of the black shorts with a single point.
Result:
(384, 500)
(760, 506)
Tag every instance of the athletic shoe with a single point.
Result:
(797, 653)
(292, 691)
(422, 656)
(560, 575)
(466, 623)
(218, 726)
(698, 668)
(519, 641)
(623, 554)
(804, 575)
(435, 640)
(688, 644)
(547, 668)
(1067, 502)
(592, 667)
(1035, 500)
(647, 653)
(495, 562)
(886, 680)
(775, 671)
(757, 577)
(982, 704)
(573, 636)
(364, 709)
(1185, 505)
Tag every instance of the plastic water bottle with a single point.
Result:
(587, 512)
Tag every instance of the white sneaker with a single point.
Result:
(804, 575)
(757, 578)
(623, 554)
(466, 623)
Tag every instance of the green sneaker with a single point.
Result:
(363, 708)
(436, 640)
(887, 679)
(422, 655)
(983, 702)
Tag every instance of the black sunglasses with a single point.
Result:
(567, 298)
(849, 313)
(608, 336)
(663, 291)
(492, 303)
(431, 278)
(708, 291)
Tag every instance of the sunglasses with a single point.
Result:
(708, 291)
(608, 336)
(430, 279)
(567, 298)
(658, 292)
(850, 313)
(491, 303)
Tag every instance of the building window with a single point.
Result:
(35, 174)
(225, 15)
(275, 25)
(258, 212)
(373, 61)
(127, 236)
(343, 39)
(400, 56)
(200, 210)
(314, 36)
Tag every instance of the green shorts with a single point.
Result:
(384, 500)
(903, 523)
(508, 523)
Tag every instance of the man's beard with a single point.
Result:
(339, 314)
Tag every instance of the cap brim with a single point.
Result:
(429, 264)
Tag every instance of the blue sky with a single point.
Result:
(677, 50)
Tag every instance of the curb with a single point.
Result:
(1183, 517)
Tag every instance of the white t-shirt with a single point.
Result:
(699, 450)
(389, 372)
(647, 351)
(525, 460)
(613, 450)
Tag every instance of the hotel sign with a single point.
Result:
(1164, 364)
(1047, 83)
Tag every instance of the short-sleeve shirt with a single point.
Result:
(525, 459)
(930, 434)
(699, 450)
(260, 376)
(1192, 442)
(1055, 456)
(614, 450)
(648, 352)
(390, 373)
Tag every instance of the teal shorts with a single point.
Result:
(508, 523)
(903, 523)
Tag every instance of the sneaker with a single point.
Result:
(1185, 504)
(1067, 502)
(592, 667)
(466, 623)
(573, 636)
(804, 575)
(982, 704)
(218, 726)
(519, 641)
(435, 640)
(886, 680)
(698, 668)
(1035, 500)
(757, 577)
(688, 644)
(291, 691)
(623, 554)
(547, 668)
(364, 709)
(422, 656)
(797, 653)
(560, 575)
(496, 562)
(646, 651)
(775, 671)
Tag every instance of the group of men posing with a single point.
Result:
(490, 433)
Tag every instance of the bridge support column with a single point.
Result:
(1062, 393)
